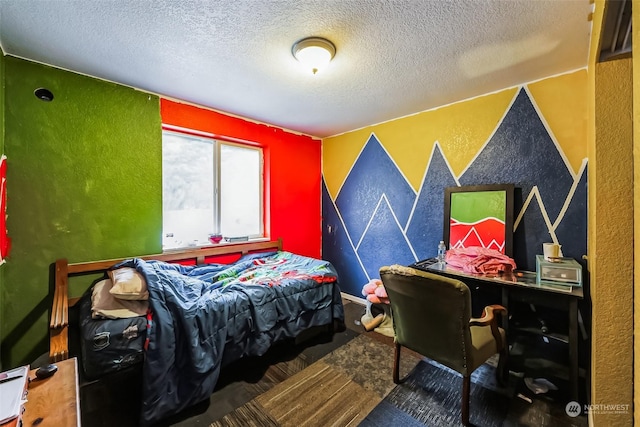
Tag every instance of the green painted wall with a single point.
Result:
(84, 182)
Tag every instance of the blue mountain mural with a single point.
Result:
(529, 236)
(384, 243)
(337, 249)
(426, 224)
(520, 152)
(572, 230)
(373, 174)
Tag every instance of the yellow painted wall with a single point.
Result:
(636, 213)
(611, 261)
(562, 101)
(610, 135)
(591, 144)
(463, 128)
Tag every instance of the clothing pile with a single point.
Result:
(479, 260)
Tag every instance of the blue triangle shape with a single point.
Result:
(426, 225)
(528, 238)
(522, 152)
(337, 249)
(373, 174)
(572, 230)
(384, 243)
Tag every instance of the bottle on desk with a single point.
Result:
(442, 249)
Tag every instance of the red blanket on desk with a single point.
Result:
(479, 260)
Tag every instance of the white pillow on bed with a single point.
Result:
(128, 284)
(104, 304)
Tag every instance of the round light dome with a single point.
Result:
(314, 53)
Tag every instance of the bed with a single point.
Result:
(201, 316)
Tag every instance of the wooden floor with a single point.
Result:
(115, 401)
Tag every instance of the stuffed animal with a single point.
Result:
(377, 317)
(375, 292)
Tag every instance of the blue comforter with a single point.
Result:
(206, 316)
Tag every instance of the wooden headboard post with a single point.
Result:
(59, 324)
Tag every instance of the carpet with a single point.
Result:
(353, 386)
(431, 395)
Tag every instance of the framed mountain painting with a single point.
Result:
(479, 215)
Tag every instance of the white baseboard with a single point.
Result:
(351, 298)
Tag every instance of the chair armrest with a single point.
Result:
(488, 315)
(489, 319)
(59, 324)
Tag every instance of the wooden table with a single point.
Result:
(54, 401)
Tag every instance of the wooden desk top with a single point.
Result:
(54, 401)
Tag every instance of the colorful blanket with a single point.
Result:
(276, 270)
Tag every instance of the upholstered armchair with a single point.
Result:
(432, 316)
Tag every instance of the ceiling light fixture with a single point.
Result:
(314, 53)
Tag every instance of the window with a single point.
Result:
(209, 186)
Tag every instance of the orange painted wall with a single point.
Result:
(292, 166)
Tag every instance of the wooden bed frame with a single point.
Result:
(59, 324)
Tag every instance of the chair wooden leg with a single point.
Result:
(466, 388)
(396, 364)
(502, 372)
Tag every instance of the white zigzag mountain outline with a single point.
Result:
(473, 231)
(551, 226)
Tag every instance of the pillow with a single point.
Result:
(103, 304)
(128, 284)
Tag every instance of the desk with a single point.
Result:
(524, 284)
(54, 401)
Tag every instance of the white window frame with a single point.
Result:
(218, 142)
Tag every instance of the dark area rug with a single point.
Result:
(431, 395)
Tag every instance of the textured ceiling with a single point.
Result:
(394, 57)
